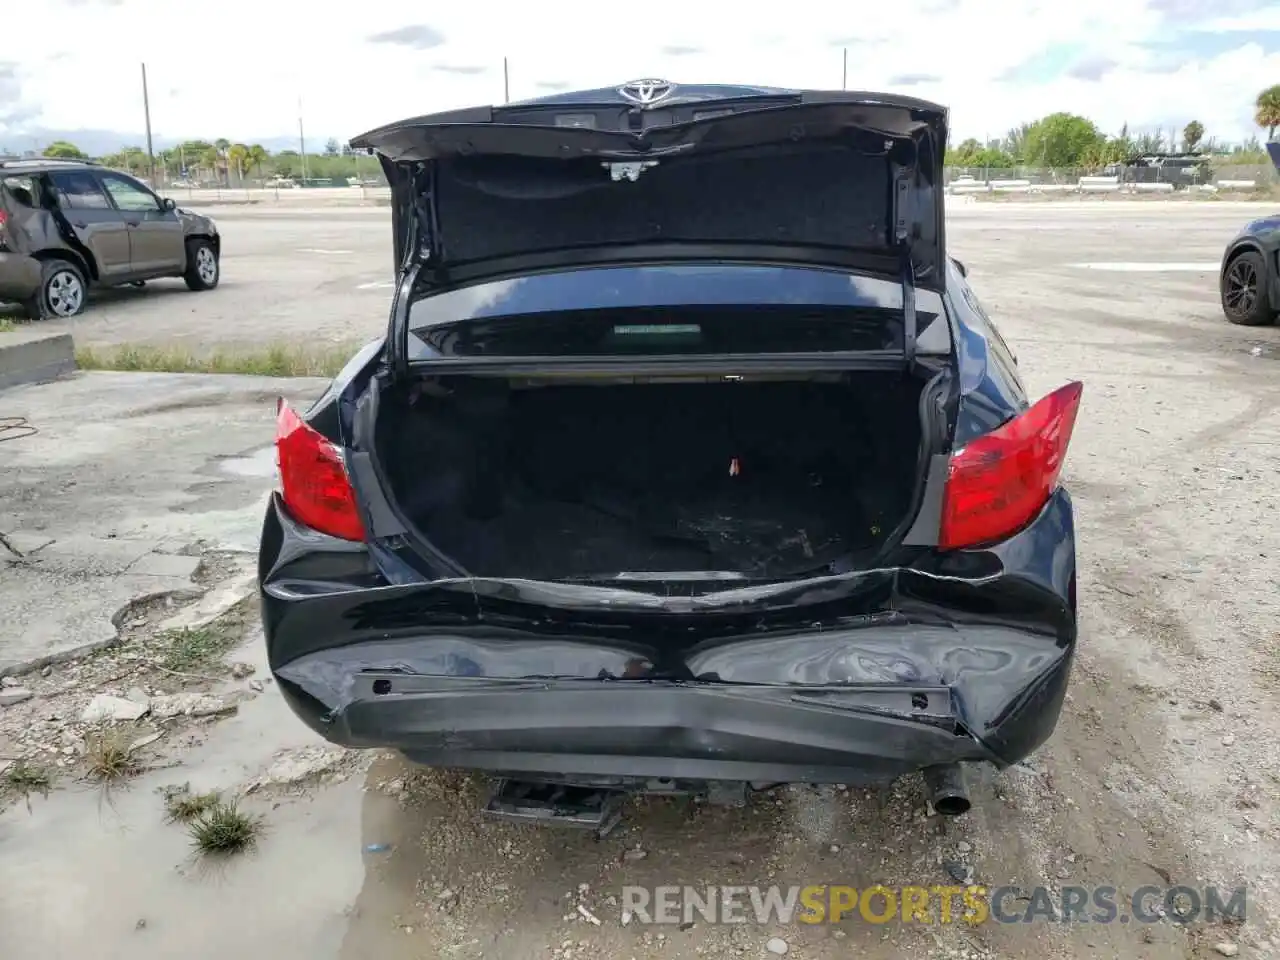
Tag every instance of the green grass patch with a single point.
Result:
(223, 830)
(276, 360)
(200, 649)
(7, 325)
(108, 755)
(183, 806)
(25, 778)
(196, 648)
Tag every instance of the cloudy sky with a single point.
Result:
(236, 68)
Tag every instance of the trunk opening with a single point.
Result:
(557, 479)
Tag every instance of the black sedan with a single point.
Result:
(689, 462)
(1249, 281)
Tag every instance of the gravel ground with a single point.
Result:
(1165, 768)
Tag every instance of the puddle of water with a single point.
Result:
(83, 874)
(81, 878)
(260, 463)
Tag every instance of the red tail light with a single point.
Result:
(1000, 481)
(313, 479)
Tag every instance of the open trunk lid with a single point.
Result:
(844, 178)
(725, 174)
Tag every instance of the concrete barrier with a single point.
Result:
(29, 356)
(297, 196)
(1011, 186)
(1238, 184)
(969, 186)
(1152, 187)
(1055, 188)
(1099, 185)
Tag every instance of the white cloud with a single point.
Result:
(1267, 18)
(238, 67)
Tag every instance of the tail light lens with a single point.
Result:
(999, 482)
(313, 479)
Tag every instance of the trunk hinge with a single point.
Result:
(398, 335)
(422, 251)
(902, 234)
(901, 209)
(426, 239)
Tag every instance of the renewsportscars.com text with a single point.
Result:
(971, 905)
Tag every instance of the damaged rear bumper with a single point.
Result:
(852, 679)
(594, 729)
(999, 704)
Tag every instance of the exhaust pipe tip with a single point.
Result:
(946, 790)
(952, 806)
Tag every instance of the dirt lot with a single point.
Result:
(1164, 771)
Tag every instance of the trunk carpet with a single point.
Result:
(754, 532)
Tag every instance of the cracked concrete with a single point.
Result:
(129, 479)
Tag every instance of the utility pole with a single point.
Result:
(146, 109)
(302, 143)
(844, 73)
(506, 82)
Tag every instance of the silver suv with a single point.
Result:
(69, 224)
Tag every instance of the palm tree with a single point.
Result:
(257, 157)
(1267, 112)
(237, 159)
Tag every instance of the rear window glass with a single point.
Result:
(79, 190)
(693, 331)
(673, 285)
(654, 310)
(18, 192)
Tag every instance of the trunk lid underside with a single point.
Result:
(838, 179)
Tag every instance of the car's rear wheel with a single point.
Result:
(63, 292)
(1243, 289)
(203, 268)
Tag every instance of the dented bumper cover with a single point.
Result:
(857, 678)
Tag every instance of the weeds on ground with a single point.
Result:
(277, 360)
(7, 325)
(109, 756)
(200, 649)
(183, 806)
(186, 650)
(25, 778)
(223, 830)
